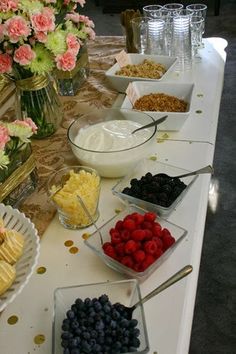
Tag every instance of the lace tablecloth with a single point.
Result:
(54, 152)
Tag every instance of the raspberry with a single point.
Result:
(138, 218)
(157, 231)
(130, 247)
(139, 256)
(112, 230)
(150, 247)
(168, 241)
(165, 232)
(148, 261)
(158, 253)
(138, 267)
(105, 245)
(129, 224)
(120, 249)
(119, 225)
(150, 216)
(147, 225)
(138, 235)
(110, 251)
(115, 238)
(125, 235)
(148, 234)
(158, 241)
(127, 261)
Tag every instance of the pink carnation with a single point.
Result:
(74, 17)
(43, 21)
(5, 63)
(8, 5)
(90, 32)
(72, 43)
(24, 54)
(66, 61)
(16, 28)
(41, 37)
(4, 137)
(31, 124)
(86, 21)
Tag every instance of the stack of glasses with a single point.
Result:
(170, 30)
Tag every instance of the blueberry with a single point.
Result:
(127, 190)
(97, 306)
(85, 346)
(74, 342)
(66, 351)
(108, 340)
(135, 342)
(124, 323)
(75, 351)
(135, 332)
(133, 322)
(103, 299)
(86, 335)
(66, 335)
(113, 324)
(88, 302)
(78, 331)
(74, 324)
(70, 314)
(97, 348)
(65, 343)
(107, 308)
(79, 303)
(107, 319)
(93, 333)
(65, 327)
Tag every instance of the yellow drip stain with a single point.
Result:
(41, 270)
(86, 235)
(74, 250)
(39, 339)
(153, 158)
(12, 320)
(68, 243)
(198, 111)
(117, 211)
(200, 95)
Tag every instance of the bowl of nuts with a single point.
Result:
(158, 98)
(142, 67)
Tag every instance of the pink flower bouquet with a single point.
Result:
(36, 37)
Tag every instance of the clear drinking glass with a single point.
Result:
(198, 10)
(196, 24)
(173, 6)
(140, 33)
(182, 47)
(152, 11)
(156, 34)
(168, 12)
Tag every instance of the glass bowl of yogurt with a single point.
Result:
(102, 139)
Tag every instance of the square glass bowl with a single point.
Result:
(120, 83)
(102, 235)
(145, 166)
(183, 91)
(126, 292)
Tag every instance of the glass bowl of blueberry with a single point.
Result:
(135, 242)
(92, 318)
(150, 186)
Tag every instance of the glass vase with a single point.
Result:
(37, 99)
(69, 82)
(19, 179)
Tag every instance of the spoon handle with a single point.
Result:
(207, 169)
(156, 122)
(176, 277)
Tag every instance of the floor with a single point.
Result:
(214, 324)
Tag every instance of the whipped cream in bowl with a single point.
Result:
(103, 140)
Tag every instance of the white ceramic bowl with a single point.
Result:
(13, 219)
(120, 83)
(111, 163)
(183, 91)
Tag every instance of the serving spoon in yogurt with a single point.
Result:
(155, 123)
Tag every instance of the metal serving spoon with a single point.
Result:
(172, 280)
(207, 169)
(156, 122)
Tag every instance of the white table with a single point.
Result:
(169, 315)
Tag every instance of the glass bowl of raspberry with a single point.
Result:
(91, 318)
(135, 242)
(147, 186)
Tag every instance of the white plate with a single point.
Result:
(120, 83)
(183, 91)
(13, 219)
